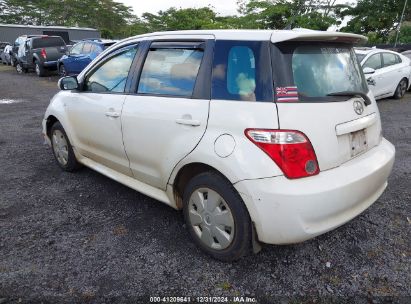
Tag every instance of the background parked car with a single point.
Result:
(40, 53)
(388, 73)
(15, 47)
(407, 54)
(2, 46)
(81, 54)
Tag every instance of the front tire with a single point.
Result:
(62, 71)
(62, 149)
(216, 217)
(401, 89)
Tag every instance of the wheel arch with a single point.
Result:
(36, 58)
(50, 121)
(185, 174)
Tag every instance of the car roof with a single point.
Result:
(98, 41)
(366, 51)
(264, 35)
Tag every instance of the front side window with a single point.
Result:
(87, 48)
(169, 71)
(77, 49)
(314, 72)
(374, 62)
(111, 76)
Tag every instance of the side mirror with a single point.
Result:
(368, 70)
(68, 83)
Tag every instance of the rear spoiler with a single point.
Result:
(317, 36)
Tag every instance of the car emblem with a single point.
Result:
(358, 107)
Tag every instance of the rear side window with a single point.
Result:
(47, 42)
(242, 71)
(111, 76)
(169, 71)
(390, 59)
(374, 62)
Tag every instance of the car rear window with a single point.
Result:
(47, 42)
(312, 71)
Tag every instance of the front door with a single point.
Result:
(95, 112)
(166, 118)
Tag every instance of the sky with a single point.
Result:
(223, 7)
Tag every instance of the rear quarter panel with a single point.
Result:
(246, 160)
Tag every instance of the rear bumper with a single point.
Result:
(50, 64)
(290, 211)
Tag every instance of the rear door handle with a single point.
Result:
(188, 122)
(113, 114)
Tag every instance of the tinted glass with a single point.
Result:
(310, 72)
(241, 77)
(242, 71)
(389, 59)
(112, 75)
(374, 62)
(77, 49)
(47, 42)
(107, 45)
(170, 72)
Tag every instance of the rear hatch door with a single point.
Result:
(54, 47)
(320, 90)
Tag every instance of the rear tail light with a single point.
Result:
(43, 53)
(290, 150)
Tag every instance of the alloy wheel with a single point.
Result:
(19, 68)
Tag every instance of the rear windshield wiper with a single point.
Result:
(367, 100)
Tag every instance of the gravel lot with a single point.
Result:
(85, 238)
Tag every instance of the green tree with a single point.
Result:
(278, 14)
(405, 34)
(110, 17)
(181, 19)
(375, 18)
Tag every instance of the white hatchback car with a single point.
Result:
(259, 136)
(388, 73)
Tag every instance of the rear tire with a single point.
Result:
(216, 217)
(19, 68)
(401, 89)
(40, 71)
(62, 149)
